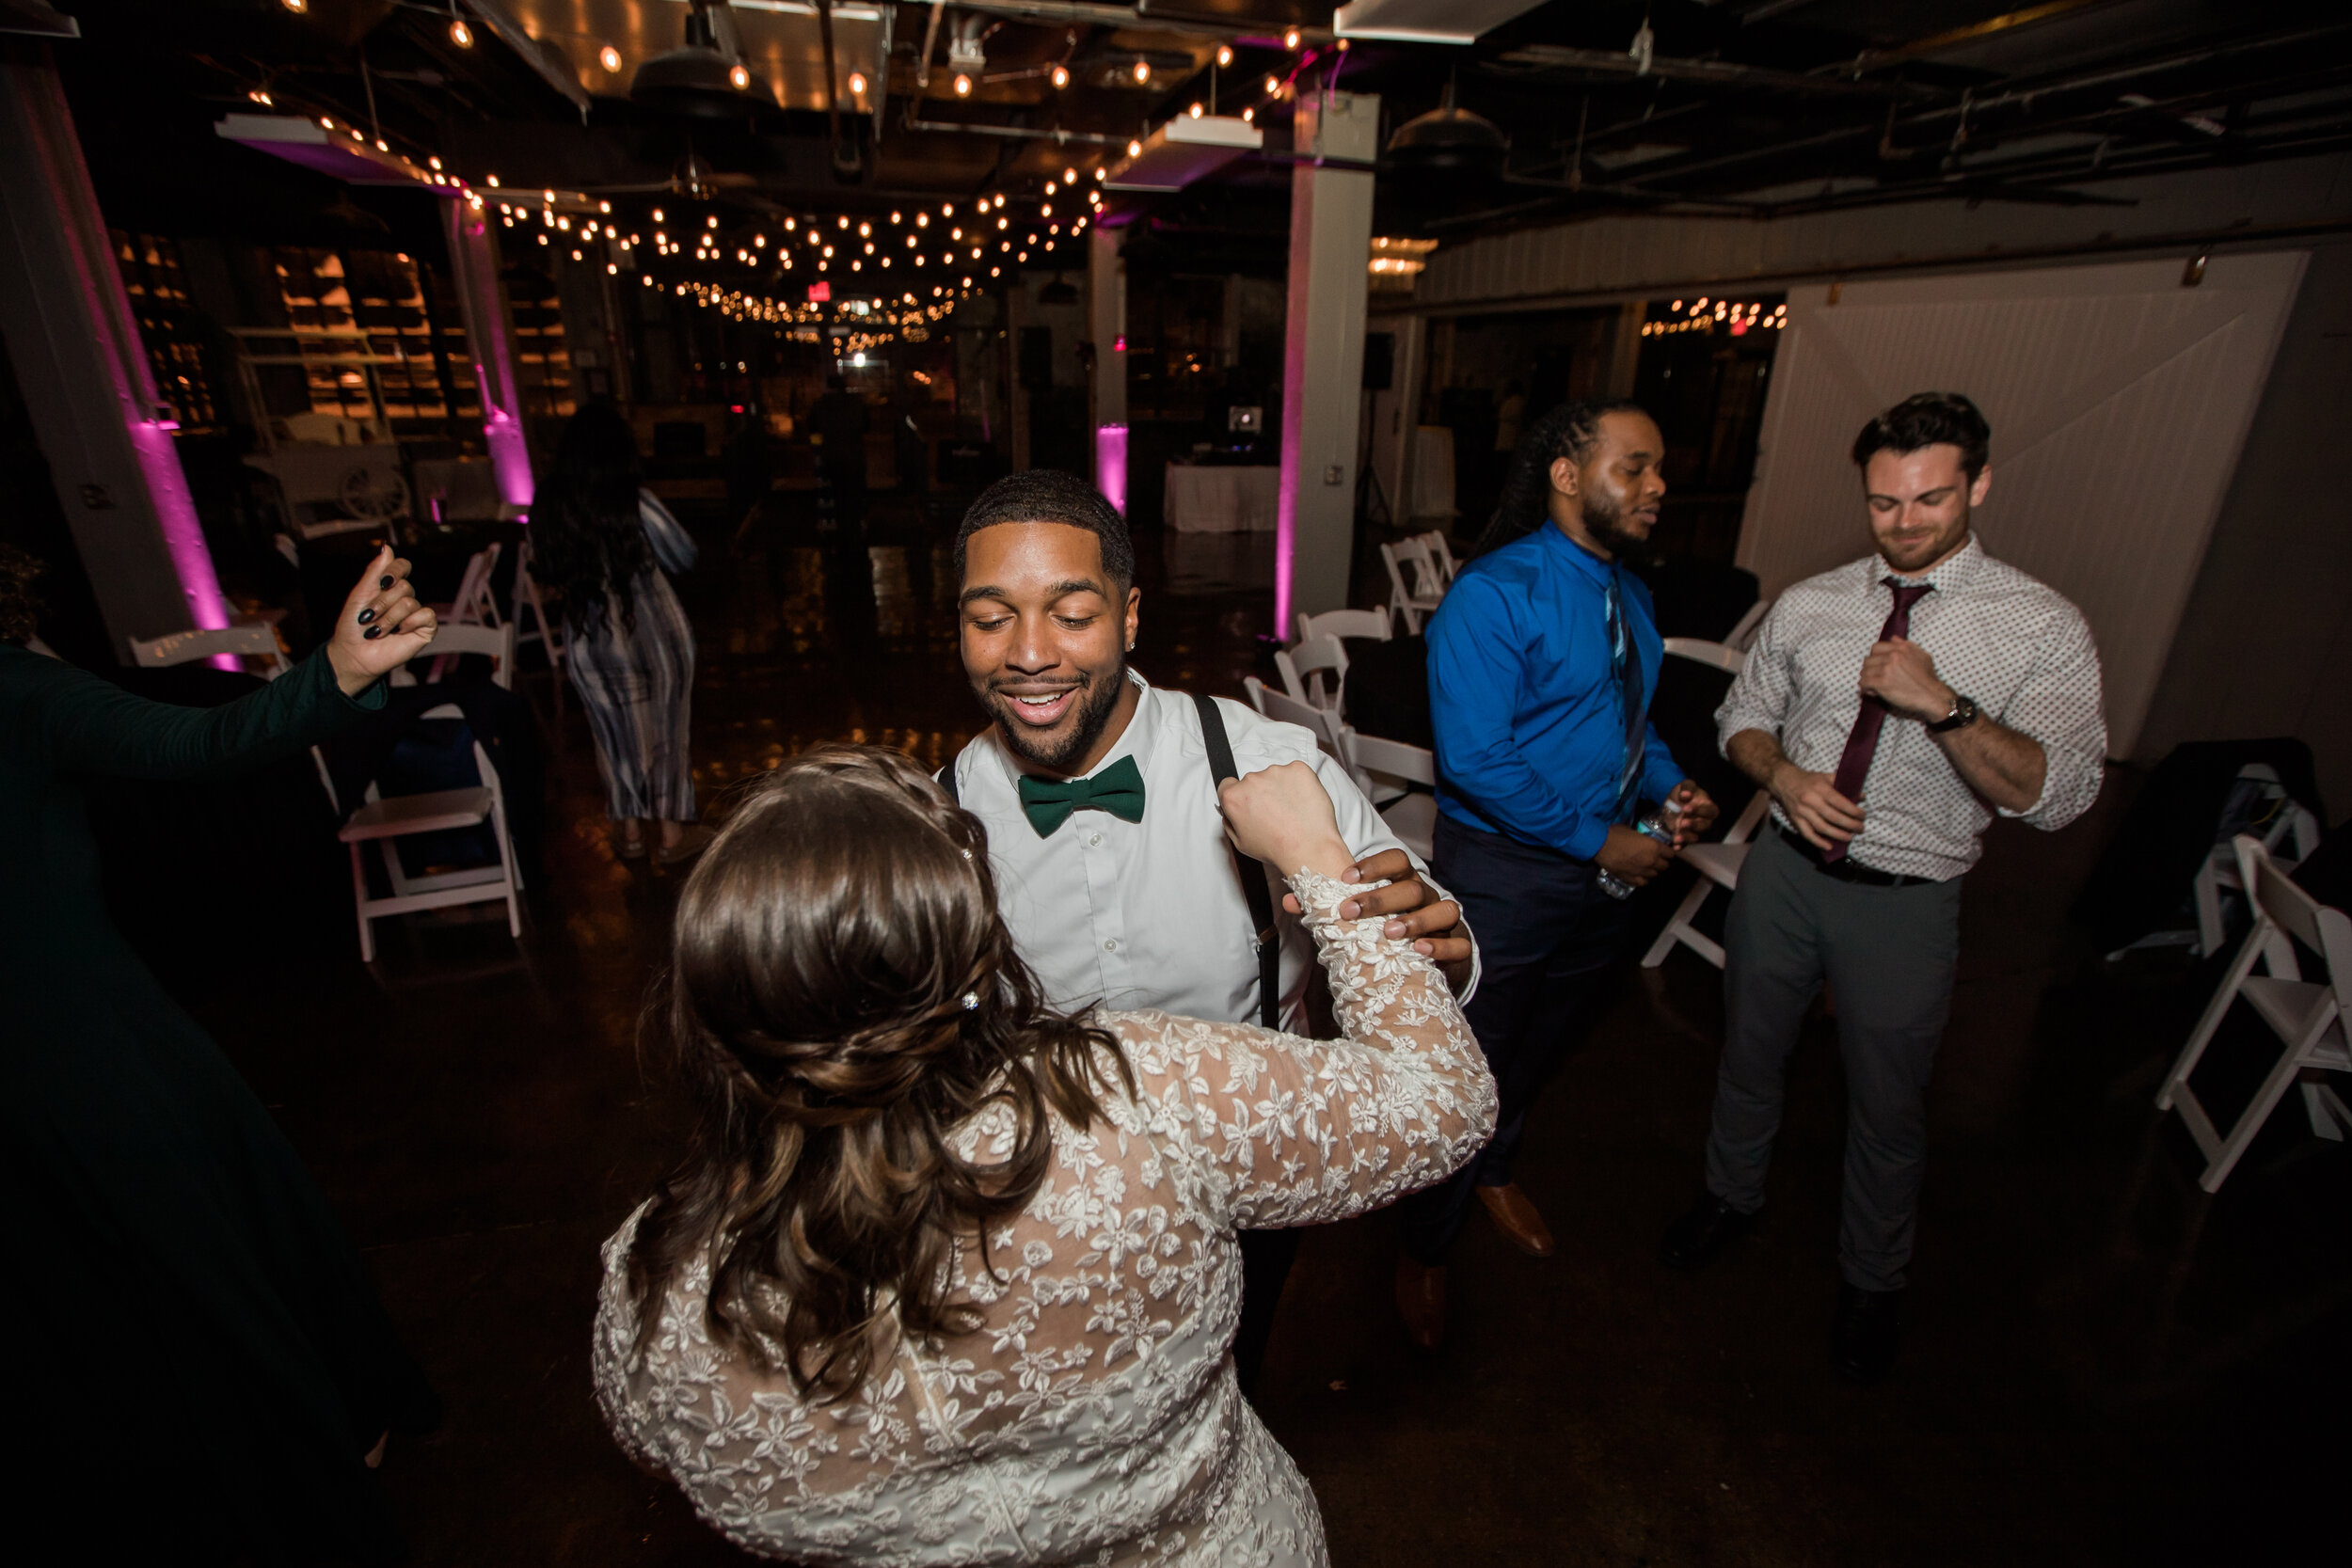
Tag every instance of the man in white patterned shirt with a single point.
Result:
(1892, 707)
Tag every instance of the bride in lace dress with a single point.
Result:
(951, 1279)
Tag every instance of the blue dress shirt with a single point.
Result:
(1529, 724)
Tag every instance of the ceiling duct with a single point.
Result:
(707, 77)
(1449, 140)
(1425, 21)
(1183, 151)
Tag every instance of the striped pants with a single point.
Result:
(638, 686)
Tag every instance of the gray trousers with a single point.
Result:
(1889, 954)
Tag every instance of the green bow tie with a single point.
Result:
(1117, 789)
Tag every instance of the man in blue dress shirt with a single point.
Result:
(1542, 661)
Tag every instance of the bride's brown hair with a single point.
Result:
(842, 995)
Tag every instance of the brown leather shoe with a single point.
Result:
(1518, 1218)
(1420, 1301)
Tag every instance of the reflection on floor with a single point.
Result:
(2102, 1363)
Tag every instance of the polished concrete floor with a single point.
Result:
(2102, 1364)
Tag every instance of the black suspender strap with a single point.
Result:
(946, 780)
(1253, 881)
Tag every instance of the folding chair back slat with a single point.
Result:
(1373, 624)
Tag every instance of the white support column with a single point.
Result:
(473, 262)
(1323, 361)
(91, 394)
(1396, 414)
(1106, 324)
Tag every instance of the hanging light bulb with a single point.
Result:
(1274, 86)
(609, 58)
(963, 85)
(1050, 187)
(1061, 76)
(1289, 39)
(459, 34)
(1143, 70)
(297, 7)
(263, 98)
(1195, 111)
(1223, 54)
(740, 77)
(1135, 149)
(1249, 116)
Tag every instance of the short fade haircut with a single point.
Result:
(1929, 419)
(1050, 496)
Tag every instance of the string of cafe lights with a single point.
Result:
(1709, 315)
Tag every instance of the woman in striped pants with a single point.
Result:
(605, 542)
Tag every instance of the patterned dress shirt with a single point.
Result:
(2015, 645)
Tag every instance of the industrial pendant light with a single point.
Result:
(707, 77)
(1449, 140)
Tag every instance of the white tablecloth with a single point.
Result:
(1204, 500)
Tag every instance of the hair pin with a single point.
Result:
(965, 853)
(971, 1002)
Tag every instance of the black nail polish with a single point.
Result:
(374, 632)
(384, 581)
(366, 615)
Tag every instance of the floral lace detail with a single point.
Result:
(1093, 1417)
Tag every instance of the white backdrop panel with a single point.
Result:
(2118, 401)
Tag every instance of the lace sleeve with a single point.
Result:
(1298, 1132)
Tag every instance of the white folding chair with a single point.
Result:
(1320, 723)
(2309, 1017)
(1441, 555)
(2290, 819)
(1423, 594)
(381, 821)
(547, 633)
(1373, 624)
(1742, 634)
(475, 603)
(185, 647)
(1303, 666)
(1718, 865)
(1723, 656)
(1384, 767)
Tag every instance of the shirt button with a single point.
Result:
(1111, 946)
(1094, 838)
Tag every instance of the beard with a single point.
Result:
(1091, 716)
(1908, 557)
(1605, 519)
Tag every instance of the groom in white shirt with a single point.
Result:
(1098, 791)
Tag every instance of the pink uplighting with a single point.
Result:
(183, 531)
(1110, 464)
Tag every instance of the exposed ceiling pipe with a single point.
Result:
(2010, 21)
(931, 42)
(1607, 62)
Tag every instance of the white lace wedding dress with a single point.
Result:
(1094, 1419)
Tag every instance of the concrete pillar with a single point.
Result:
(1016, 395)
(474, 264)
(1323, 361)
(1625, 352)
(84, 373)
(1396, 414)
(1106, 325)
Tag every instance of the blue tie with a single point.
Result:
(1624, 668)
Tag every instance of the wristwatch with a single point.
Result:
(1962, 715)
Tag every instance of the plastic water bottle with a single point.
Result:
(1659, 822)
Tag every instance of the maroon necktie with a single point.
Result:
(1862, 742)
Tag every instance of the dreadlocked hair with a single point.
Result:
(842, 997)
(1568, 430)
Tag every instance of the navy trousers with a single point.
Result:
(1549, 942)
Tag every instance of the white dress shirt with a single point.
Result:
(2015, 645)
(1151, 914)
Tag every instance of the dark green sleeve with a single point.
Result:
(81, 724)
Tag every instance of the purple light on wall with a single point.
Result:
(474, 260)
(1110, 464)
(182, 530)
